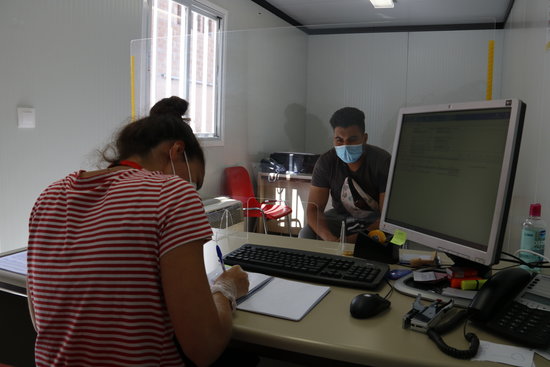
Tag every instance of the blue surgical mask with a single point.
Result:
(349, 153)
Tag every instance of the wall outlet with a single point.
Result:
(26, 118)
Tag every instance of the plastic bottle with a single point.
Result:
(533, 235)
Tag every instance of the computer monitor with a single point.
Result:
(451, 177)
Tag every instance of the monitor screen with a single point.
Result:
(451, 176)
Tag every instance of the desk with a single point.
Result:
(18, 336)
(293, 189)
(329, 331)
(12, 282)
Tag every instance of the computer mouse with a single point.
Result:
(367, 305)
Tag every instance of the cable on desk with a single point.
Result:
(546, 260)
(391, 289)
(435, 334)
(520, 261)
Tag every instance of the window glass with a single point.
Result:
(185, 60)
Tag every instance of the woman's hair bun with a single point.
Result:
(171, 106)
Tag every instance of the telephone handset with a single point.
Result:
(516, 305)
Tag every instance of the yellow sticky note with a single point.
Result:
(399, 238)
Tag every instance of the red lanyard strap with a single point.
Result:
(129, 164)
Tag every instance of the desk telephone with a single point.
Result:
(512, 303)
(515, 305)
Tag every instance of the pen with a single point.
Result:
(220, 257)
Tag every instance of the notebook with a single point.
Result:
(277, 297)
(256, 281)
(286, 299)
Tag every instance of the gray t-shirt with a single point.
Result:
(372, 176)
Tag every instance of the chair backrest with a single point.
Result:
(237, 185)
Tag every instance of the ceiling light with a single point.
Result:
(382, 3)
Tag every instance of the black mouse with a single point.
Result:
(367, 305)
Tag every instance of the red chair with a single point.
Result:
(238, 186)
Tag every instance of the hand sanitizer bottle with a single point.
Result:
(533, 235)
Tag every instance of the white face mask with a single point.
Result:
(188, 168)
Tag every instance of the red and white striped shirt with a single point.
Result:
(93, 266)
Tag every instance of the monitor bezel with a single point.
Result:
(505, 187)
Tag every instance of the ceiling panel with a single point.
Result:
(319, 14)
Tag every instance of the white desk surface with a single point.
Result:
(329, 331)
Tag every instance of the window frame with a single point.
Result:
(204, 8)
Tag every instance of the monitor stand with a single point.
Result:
(441, 289)
(409, 287)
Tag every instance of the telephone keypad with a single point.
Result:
(522, 323)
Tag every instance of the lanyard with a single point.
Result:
(129, 164)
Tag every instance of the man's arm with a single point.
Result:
(317, 201)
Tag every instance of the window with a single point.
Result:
(186, 60)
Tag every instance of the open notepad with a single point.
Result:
(278, 297)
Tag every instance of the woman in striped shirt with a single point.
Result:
(116, 273)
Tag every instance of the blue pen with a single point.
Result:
(220, 257)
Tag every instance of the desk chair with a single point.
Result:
(238, 186)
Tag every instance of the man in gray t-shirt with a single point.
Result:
(353, 173)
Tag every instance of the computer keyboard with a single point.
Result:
(309, 266)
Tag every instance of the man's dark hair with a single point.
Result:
(348, 116)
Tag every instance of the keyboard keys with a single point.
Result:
(309, 266)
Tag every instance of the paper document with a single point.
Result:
(283, 298)
(514, 356)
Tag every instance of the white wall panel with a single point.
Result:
(451, 66)
(526, 75)
(367, 71)
(69, 59)
(380, 73)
